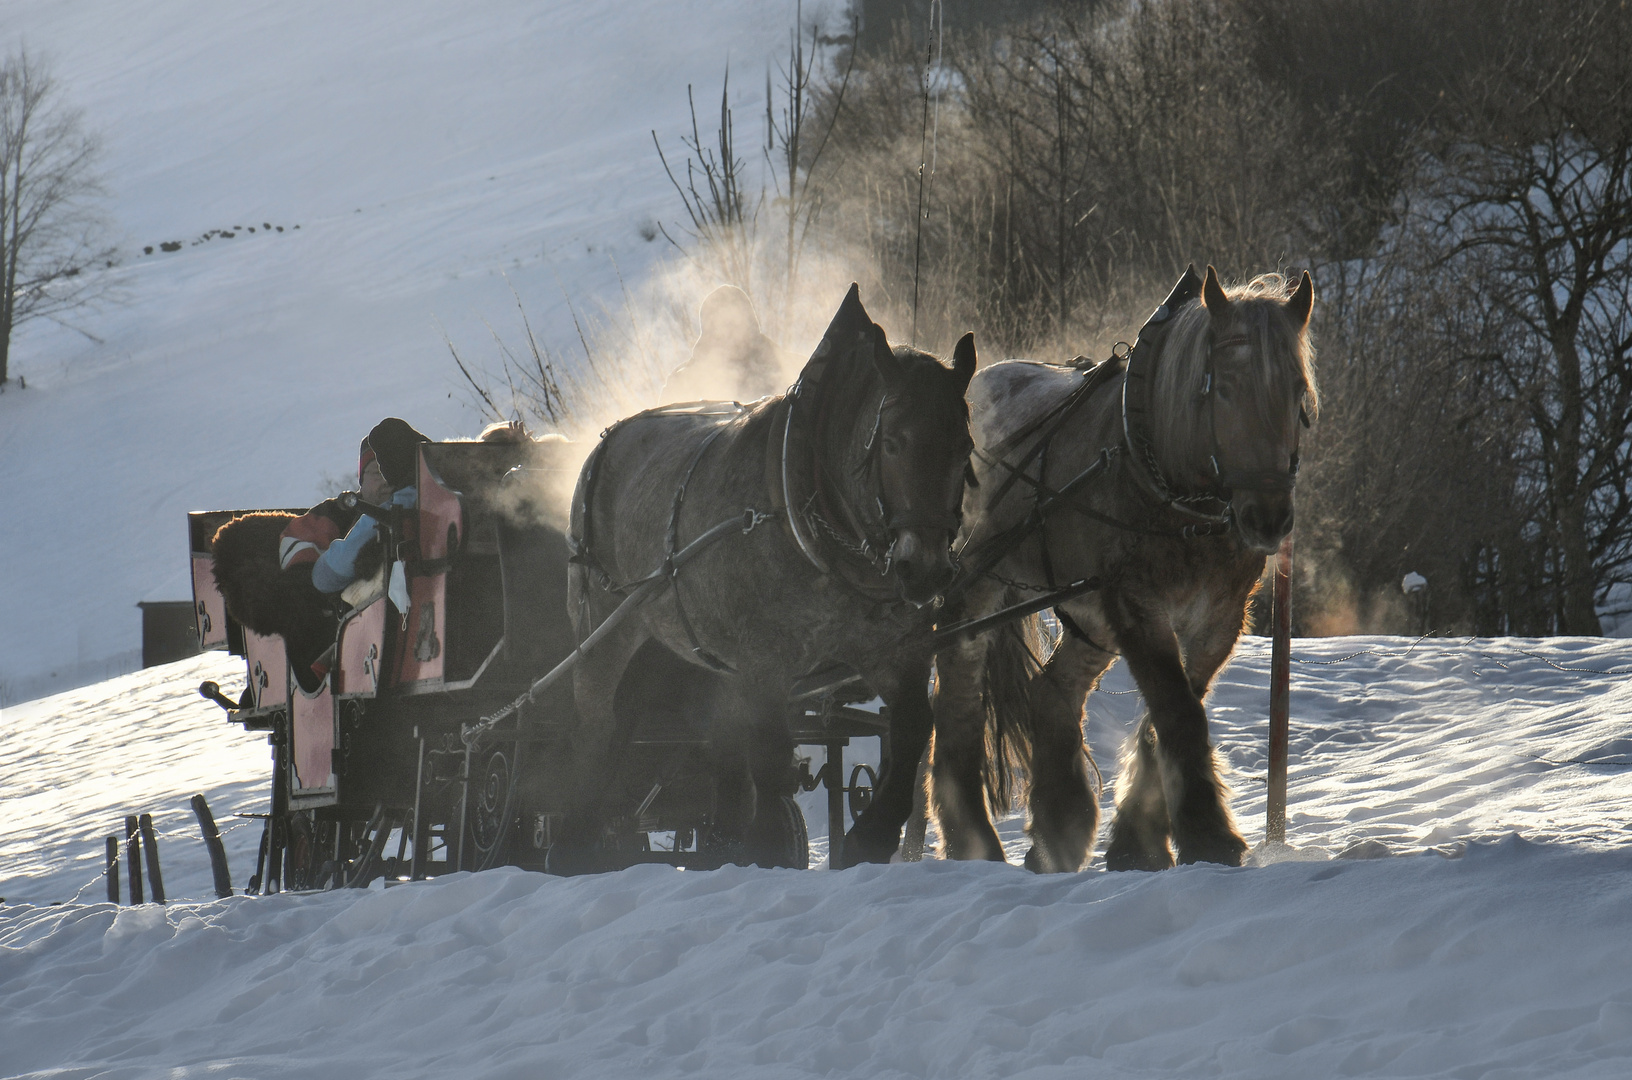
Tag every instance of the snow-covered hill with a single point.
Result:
(1460, 906)
(388, 170)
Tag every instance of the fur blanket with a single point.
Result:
(270, 600)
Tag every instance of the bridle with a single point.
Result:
(869, 538)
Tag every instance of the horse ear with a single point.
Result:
(963, 360)
(850, 319)
(884, 359)
(1212, 294)
(1302, 301)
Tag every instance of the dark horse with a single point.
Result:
(849, 489)
(1159, 480)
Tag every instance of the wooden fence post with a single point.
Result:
(1280, 675)
(212, 842)
(133, 849)
(113, 870)
(150, 844)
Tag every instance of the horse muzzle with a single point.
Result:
(1262, 518)
(923, 570)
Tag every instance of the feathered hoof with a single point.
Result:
(1039, 863)
(1132, 857)
(862, 845)
(1228, 849)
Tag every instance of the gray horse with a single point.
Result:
(849, 490)
(1157, 482)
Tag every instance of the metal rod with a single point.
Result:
(417, 872)
(833, 779)
(1280, 676)
(150, 845)
(212, 843)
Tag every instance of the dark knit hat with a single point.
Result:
(396, 447)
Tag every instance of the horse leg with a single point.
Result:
(1064, 807)
(772, 776)
(597, 740)
(1140, 829)
(957, 768)
(877, 832)
(1192, 791)
(752, 753)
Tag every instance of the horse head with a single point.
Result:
(923, 448)
(1239, 389)
(888, 429)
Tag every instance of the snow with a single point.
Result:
(1457, 903)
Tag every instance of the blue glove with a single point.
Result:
(337, 567)
(406, 497)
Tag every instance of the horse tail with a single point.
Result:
(1016, 653)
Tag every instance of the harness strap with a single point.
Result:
(1054, 419)
(672, 549)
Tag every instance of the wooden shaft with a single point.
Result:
(1280, 676)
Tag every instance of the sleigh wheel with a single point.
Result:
(489, 796)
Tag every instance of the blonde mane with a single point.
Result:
(1282, 350)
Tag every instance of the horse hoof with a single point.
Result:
(1226, 850)
(1034, 861)
(1133, 859)
(860, 848)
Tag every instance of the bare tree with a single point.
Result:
(1529, 194)
(51, 227)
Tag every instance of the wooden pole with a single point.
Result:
(212, 843)
(113, 869)
(133, 851)
(1280, 677)
(150, 845)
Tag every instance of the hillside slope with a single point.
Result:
(414, 161)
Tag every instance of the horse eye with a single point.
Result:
(892, 445)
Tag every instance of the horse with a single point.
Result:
(1157, 481)
(849, 489)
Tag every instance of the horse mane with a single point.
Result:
(1283, 350)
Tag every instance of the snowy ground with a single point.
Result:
(414, 161)
(1480, 925)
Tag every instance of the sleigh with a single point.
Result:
(426, 748)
